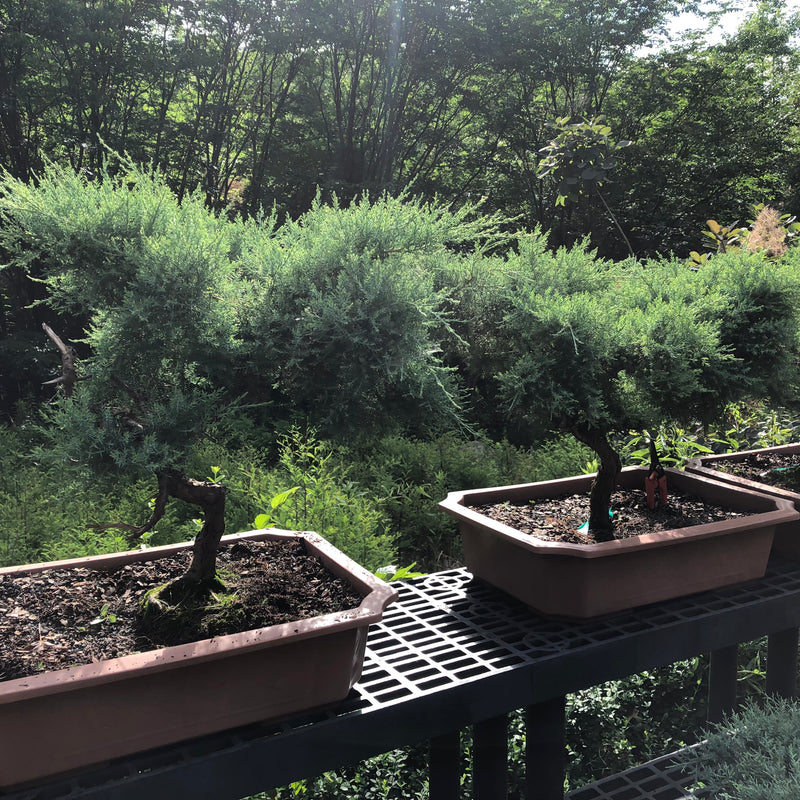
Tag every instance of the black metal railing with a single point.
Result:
(453, 653)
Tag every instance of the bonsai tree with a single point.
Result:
(187, 317)
(153, 285)
(596, 349)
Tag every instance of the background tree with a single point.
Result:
(714, 132)
(580, 159)
(554, 60)
(264, 103)
(277, 98)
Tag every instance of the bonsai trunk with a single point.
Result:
(600, 524)
(211, 499)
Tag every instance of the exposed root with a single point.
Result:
(184, 609)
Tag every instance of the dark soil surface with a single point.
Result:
(62, 618)
(774, 469)
(558, 519)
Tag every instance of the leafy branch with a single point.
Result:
(580, 158)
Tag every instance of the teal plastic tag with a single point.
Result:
(585, 527)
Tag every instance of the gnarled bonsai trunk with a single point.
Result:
(600, 524)
(211, 499)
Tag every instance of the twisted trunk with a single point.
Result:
(600, 524)
(210, 497)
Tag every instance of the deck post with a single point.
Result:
(723, 665)
(782, 663)
(490, 759)
(444, 764)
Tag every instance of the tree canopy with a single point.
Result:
(262, 102)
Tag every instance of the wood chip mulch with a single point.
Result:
(772, 469)
(558, 519)
(62, 618)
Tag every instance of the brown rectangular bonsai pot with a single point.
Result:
(580, 581)
(787, 535)
(62, 720)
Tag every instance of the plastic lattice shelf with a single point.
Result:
(660, 779)
(450, 652)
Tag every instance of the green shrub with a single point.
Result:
(345, 319)
(398, 775)
(753, 755)
(327, 499)
(49, 513)
(618, 724)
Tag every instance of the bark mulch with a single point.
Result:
(558, 519)
(62, 618)
(774, 469)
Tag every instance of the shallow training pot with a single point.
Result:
(580, 581)
(62, 720)
(787, 535)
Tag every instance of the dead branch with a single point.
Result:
(165, 482)
(69, 377)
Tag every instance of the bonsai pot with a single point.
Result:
(787, 535)
(580, 581)
(62, 720)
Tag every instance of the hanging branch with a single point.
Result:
(135, 531)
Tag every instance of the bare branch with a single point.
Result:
(164, 490)
(69, 376)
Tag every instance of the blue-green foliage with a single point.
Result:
(614, 347)
(155, 285)
(753, 755)
(346, 316)
(347, 330)
(333, 319)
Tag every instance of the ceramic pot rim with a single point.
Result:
(770, 510)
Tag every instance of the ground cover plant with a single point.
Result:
(751, 755)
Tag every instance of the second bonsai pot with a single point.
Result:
(787, 535)
(580, 581)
